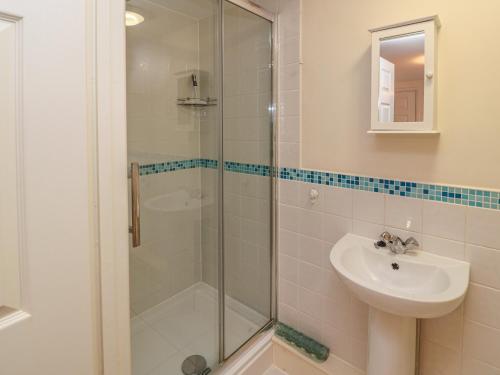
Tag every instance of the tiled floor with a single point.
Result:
(186, 324)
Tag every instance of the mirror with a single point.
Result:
(403, 77)
(401, 81)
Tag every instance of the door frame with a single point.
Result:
(112, 182)
(112, 185)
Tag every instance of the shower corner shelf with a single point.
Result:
(197, 102)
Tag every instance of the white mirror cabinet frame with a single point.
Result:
(429, 27)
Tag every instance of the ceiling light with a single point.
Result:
(132, 18)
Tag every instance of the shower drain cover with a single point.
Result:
(194, 365)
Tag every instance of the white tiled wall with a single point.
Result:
(289, 82)
(157, 74)
(158, 69)
(169, 258)
(313, 299)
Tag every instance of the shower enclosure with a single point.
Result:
(200, 145)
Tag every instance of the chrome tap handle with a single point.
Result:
(411, 243)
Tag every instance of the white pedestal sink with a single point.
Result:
(399, 289)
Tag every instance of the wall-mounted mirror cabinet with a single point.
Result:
(404, 77)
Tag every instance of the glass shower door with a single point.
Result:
(247, 156)
(199, 121)
(172, 120)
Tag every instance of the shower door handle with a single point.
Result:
(135, 228)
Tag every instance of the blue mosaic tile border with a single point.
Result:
(171, 166)
(255, 169)
(439, 193)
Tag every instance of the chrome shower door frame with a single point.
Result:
(274, 174)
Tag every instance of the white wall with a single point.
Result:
(333, 126)
(336, 93)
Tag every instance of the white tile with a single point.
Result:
(436, 359)
(368, 206)
(290, 103)
(290, 77)
(288, 315)
(443, 247)
(359, 353)
(484, 265)
(359, 319)
(336, 314)
(470, 366)
(290, 50)
(310, 326)
(483, 227)
(305, 196)
(289, 192)
(289, 218)
(288, 268)
(338, 201)
(310, 223)
(289, 154)
(403, 213)
(338, 341)
(366, 229)
(289, 129)
(311, 250)
(446, 330)
(327, 250)
(288, 293)
(310, 303)
(482, 305)
(310, 277)
(288, 243)
(289, 20)
(444, 220)
(335, 227)
(335, 289)
(482, 343)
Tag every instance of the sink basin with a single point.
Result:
(399, 288)
(416, 284)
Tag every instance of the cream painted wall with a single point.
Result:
(336, 93)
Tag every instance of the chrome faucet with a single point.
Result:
(395, 244)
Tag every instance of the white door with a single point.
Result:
(47, 320)
(405, 106)
(386, 91)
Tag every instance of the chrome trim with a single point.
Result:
(274, 173)
(220, 190)
(247, 344)
(250, 7)
(254, 8)
(135, 228)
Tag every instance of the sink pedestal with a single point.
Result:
(391, 344)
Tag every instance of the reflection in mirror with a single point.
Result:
(401, 80)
